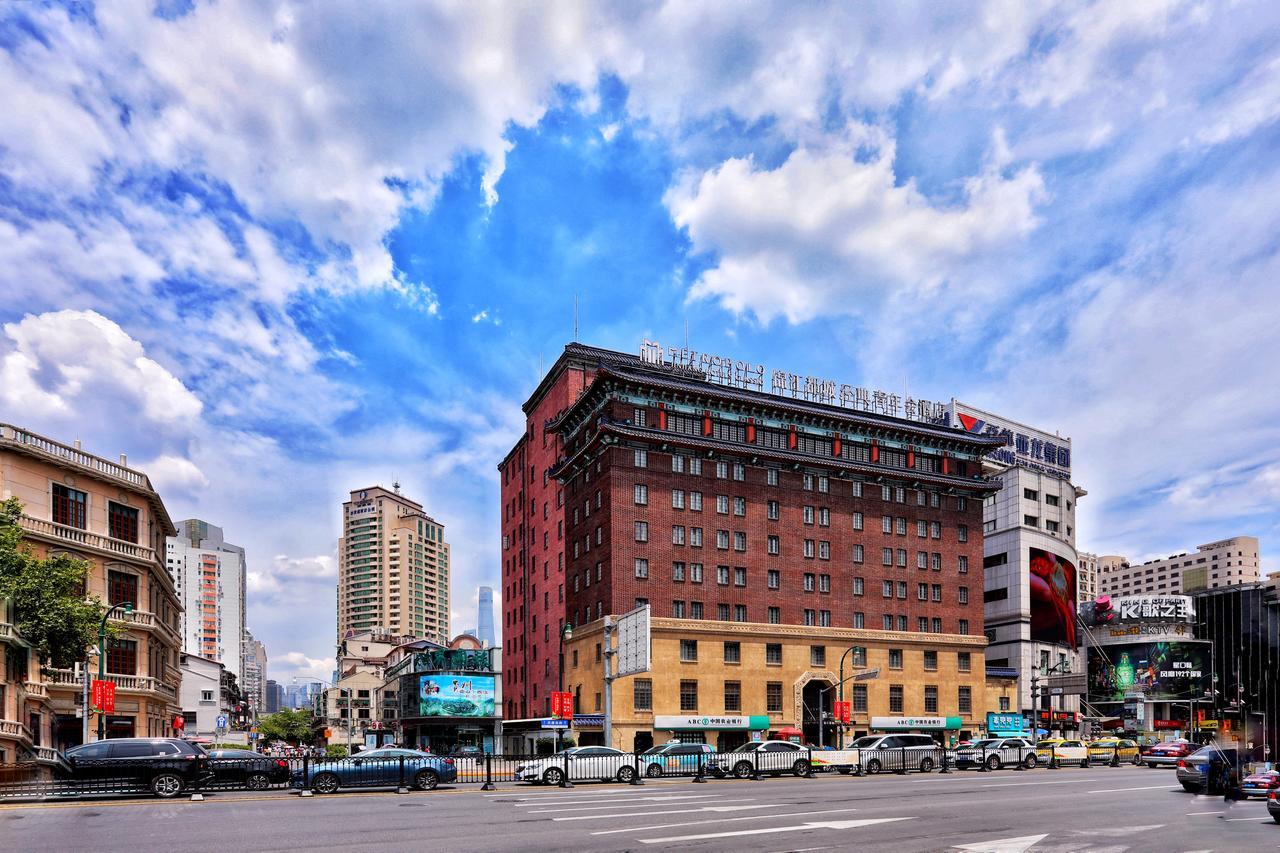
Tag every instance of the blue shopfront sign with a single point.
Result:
(1005, 723)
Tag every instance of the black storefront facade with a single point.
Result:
(448, 697)
(1243, 623)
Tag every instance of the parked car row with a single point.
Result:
(169, 766)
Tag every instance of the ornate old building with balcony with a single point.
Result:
(108, 515)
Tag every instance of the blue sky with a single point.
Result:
(276, 251)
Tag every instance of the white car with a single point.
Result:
(773, 757)
(996, 753)
(584, 763)
(898, 752)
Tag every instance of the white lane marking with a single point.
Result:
(549, 797)
(585, 800)
(1055, 782)
(828, 824)
(1193, 814)
(706, 820)
(1004, 845)
(1118, 790)
(638, 805)
(669, 811)
(1259, 820)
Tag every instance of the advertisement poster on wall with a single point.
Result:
(456, 696)
(1159, 671)
(1053, 599)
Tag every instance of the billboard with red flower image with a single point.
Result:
(1053, 599)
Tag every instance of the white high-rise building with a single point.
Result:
(253, 686)
(1030, 564)
(1227, 562)
(209, 574)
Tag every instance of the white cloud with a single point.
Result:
(67, 362)
(285, 667)
(482, 315)
(170, 474)
(834, 231)
(1254, 103)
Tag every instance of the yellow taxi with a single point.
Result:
(1109, 749)
(1066, 751)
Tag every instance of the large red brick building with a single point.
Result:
(639, 483)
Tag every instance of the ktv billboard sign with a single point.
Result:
(1138, 610)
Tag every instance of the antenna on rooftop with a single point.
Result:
(396, 486)
(686, 332)
(575, 317)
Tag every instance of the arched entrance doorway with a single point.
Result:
(816, 702)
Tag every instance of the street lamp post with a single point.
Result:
(566, 635)
(847, 652)
(127, 607)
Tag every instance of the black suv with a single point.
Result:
(165, 766)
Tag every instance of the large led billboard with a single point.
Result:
(455, 696)
(1158, 671)
(1053, 599)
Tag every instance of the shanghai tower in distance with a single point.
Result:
(484, 619)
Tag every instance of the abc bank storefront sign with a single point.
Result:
(754, 723)
(915, 723)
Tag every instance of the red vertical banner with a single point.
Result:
(835, 445)
(843, 712)
(791, 438)
(911, 456)
(562, 705)
(706, 423)
(875, 450)
(104, 696)
(662, 416)
(946, 462)
(751, 430)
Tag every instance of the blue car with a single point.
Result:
(378, 767)
(675, 758)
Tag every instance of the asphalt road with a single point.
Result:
(1104, 810)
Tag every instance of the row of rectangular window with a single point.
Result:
(809, 482)
(732, 653)
(642, 697)
(811, 617)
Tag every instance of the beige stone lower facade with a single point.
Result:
(711, 670)
(108, 515)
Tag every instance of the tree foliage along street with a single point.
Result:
(293, 726)
(50, 608)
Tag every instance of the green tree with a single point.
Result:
(48, 595)
(288, 725)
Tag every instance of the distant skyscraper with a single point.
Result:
(484, 621)
(209, 574)
(254, 684)
(275, 696)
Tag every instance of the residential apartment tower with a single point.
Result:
(393, 568)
